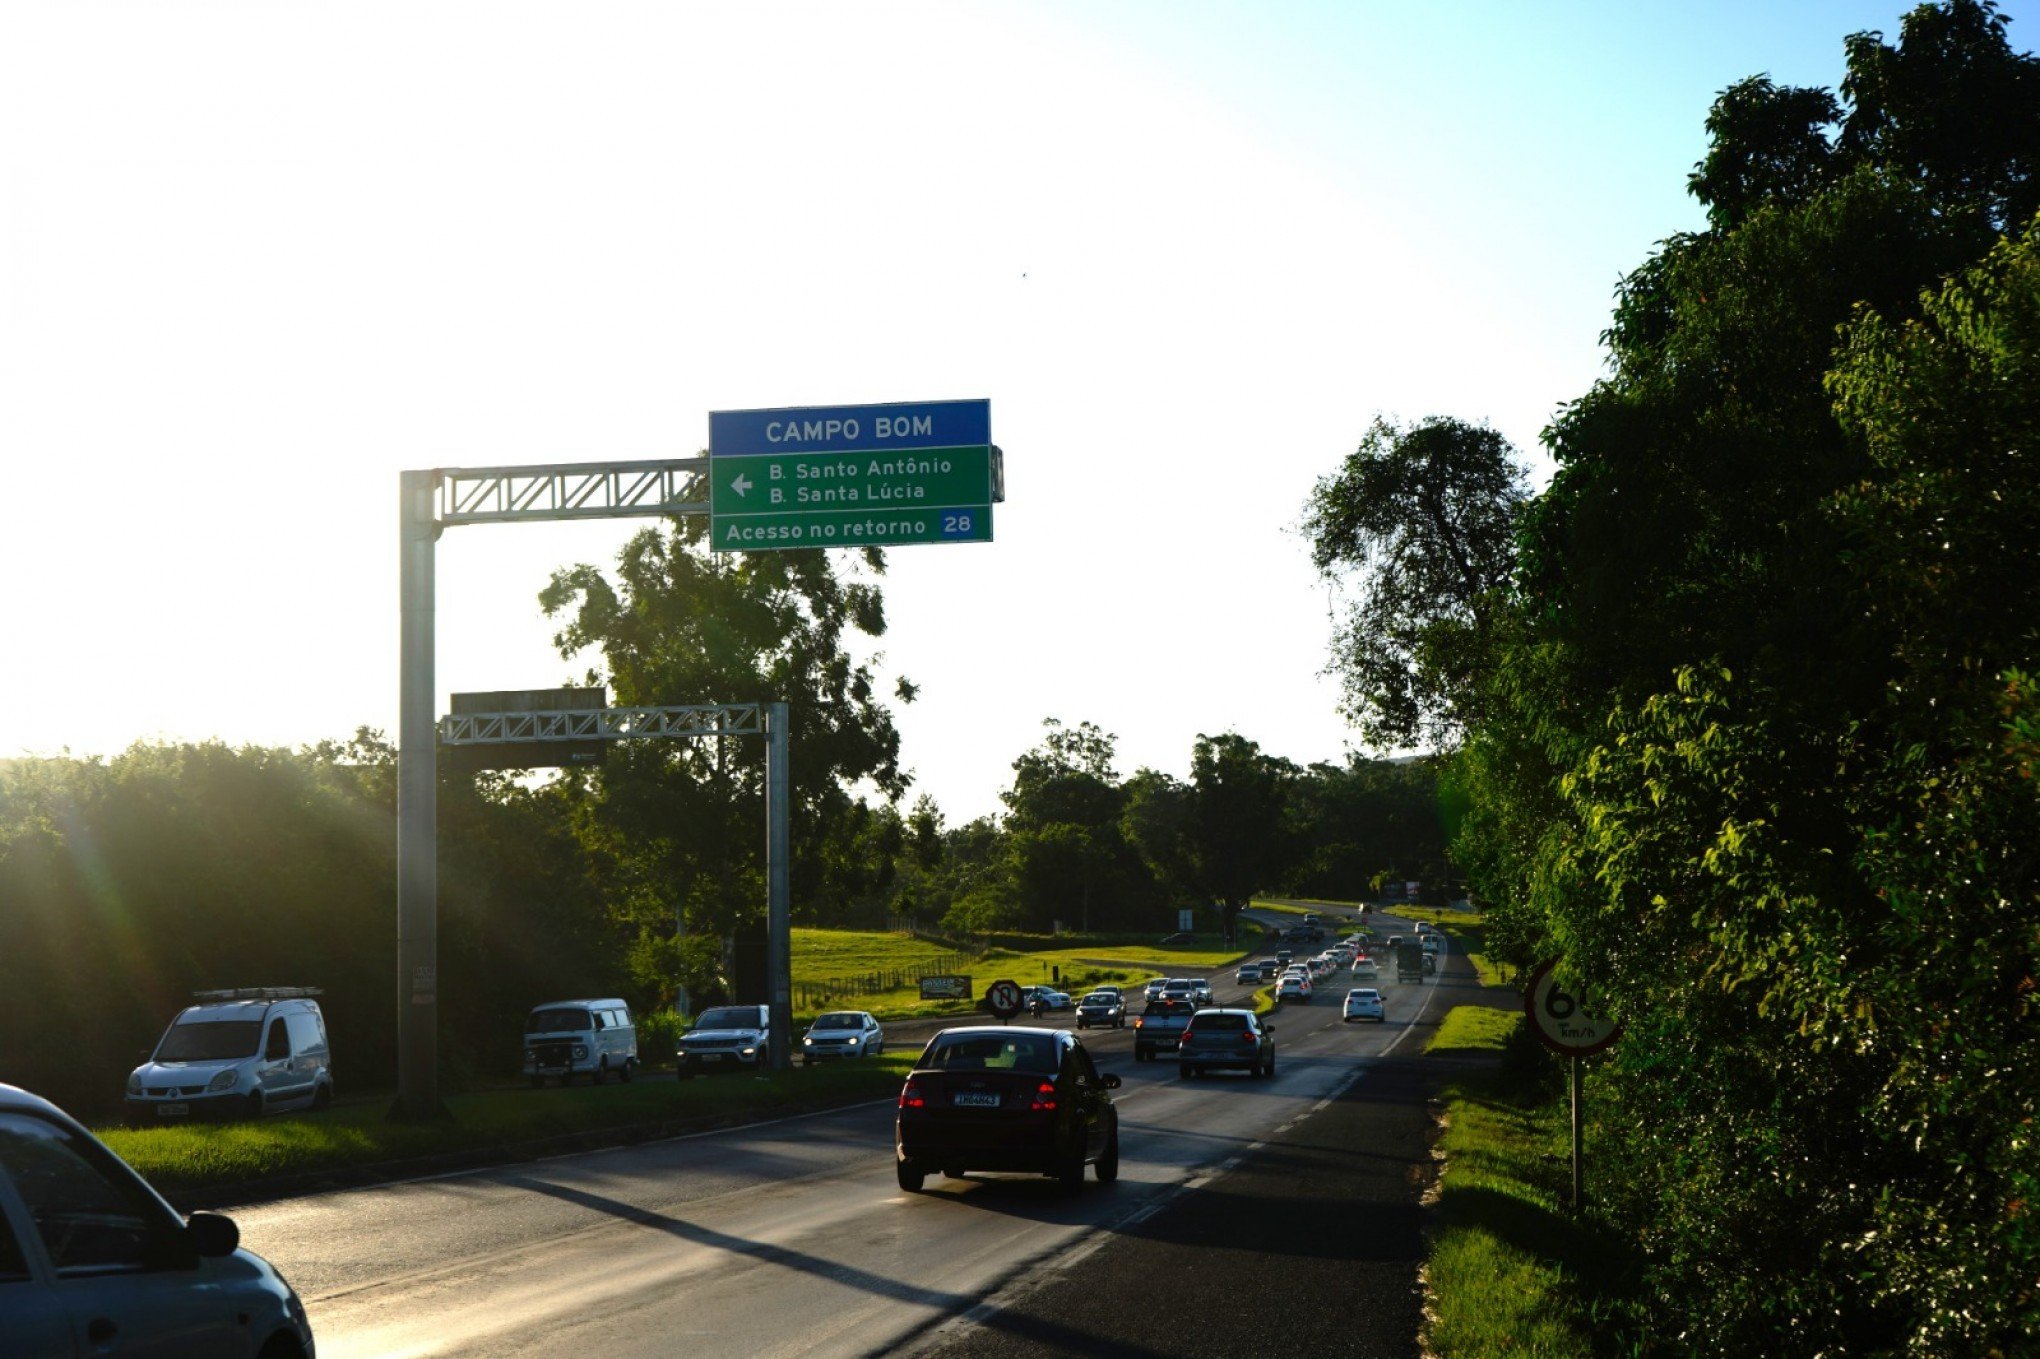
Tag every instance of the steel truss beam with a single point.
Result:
(603, 724)
(580, 490)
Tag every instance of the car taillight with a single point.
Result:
(1044, 1097)
(1138, 1022)
(910, 1098)
(1249, 1036)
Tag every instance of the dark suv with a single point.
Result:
(1006, 1098)
(1235, 1038)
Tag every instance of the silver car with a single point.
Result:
(842, 1033)
(88, 1250)
(1226, 1038)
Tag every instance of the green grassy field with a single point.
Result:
(829, 965)
(820, 956)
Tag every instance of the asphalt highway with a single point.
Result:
(790, 1237)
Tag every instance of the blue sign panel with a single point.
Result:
(851, 429)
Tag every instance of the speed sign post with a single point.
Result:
(1569, 1025)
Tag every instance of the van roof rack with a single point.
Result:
(260, 993)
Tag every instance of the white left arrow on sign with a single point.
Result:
(741, 484)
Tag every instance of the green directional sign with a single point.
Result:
(886, 498)
(852, 528)
(852, 476)
(782, 483)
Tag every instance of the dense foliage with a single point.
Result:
(126, 884)
(1753, 739)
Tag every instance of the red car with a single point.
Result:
(1006, 1099)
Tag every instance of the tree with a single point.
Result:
(1241, 841)
(1363, 822)
(678, 827)
(1071, 859)
(1422, 520)
(1752, 742)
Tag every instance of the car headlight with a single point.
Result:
(531, 1054)
(223, 1081)
(808, 1041)
(580, 1051)
(134, 1082)
(750, 1051)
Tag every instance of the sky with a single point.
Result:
(257, 258)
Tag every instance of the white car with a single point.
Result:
(88, 1249)
(842, 1033)
(1364, 966)
(1293, 988)
(1364, 1002)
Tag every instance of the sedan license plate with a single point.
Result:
(976, 1099)
(173, 1110)
(711, 1056)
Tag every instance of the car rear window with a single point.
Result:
(1207, 1023)
(991, 1052)
(1170, 1007)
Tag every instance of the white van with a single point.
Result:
(236, 1054)
(569, 1038)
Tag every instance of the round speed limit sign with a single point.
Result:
(1564, 1019)
(1003, 999)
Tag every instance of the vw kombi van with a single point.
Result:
(569, 1038)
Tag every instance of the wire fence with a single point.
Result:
(822, 992)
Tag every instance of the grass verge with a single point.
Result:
(1510, 1271)
(340, 1144)
(821, 957)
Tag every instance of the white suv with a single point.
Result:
(727, 1038)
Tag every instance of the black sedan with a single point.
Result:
(1105, 1009)
(1006, 1099)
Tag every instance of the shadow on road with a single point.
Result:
(1056, 1336)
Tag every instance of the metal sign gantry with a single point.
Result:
(430, 502)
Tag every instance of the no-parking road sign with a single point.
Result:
(1003, 998)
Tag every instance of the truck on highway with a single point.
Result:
(1409, 960)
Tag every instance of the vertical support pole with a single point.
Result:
(417, 811)
(1579, 1180)
(779, 884)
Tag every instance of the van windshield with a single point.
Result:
(216, 1040)
(556, 1021)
